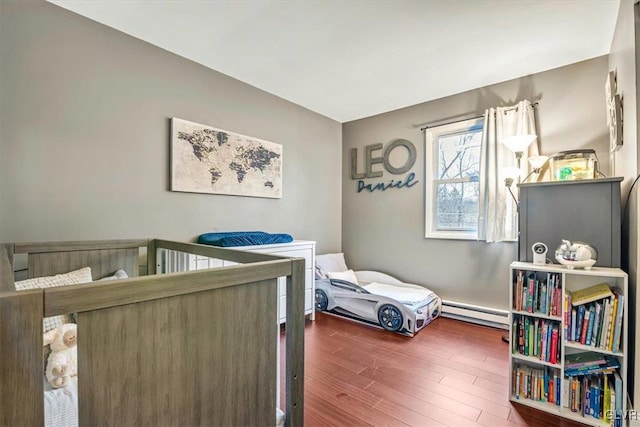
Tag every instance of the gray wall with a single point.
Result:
(385, 230)
(623, 59)
(84, 132)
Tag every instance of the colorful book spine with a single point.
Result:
(543, 298)
(618, 395)
(606, 319)
(531, 286)
(618, 324)
(538, 384)
(596, 324)
(554, 345)
(547, 356)
(536, 337)
(567, 316)
(592, 315)
(579, 322)
(518, 290)
(586, 397)
(595, 398)
(543, 341)
(611, 325)
(606, 402)
(558, 297)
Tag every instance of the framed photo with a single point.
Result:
(615, 124)
(614, 112)
(205, 159)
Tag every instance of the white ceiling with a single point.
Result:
(353, 59)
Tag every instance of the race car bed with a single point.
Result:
(373, 297)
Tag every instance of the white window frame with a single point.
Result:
(431, 166)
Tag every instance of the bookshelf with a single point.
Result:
(546, 341)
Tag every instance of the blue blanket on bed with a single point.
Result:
(243, 238)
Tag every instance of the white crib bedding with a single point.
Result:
(61, 405)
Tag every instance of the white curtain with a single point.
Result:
(498, 212)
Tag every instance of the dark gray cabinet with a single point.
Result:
(585, 210)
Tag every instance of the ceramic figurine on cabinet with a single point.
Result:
(576, 255)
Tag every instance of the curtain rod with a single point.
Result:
(439, 123)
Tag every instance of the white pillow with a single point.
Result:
(329, 262)
(348, 275)
(72, 278)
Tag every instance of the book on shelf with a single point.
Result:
(554, 346)
(610, 364)
(579, 324)
(606, 402)
(538, 384)
(618, 323)
(586, 358)
(537, 294)
(567, 343)
(596, 324)
(594, 396)
(585, 326)
(618, 393)
(567, 315)
(609, 343)
(590, 294)
(606, 321)
(536, 337)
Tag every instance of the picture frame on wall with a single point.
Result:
(614, 112)
(615, 125)
(205, 159)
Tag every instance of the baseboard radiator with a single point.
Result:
(476, 314)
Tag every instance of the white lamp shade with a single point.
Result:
(537, 162)
(511, 172)
(519, 143)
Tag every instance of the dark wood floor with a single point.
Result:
(451, 373)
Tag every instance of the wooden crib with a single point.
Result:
(179, 349)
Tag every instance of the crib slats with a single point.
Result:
(295, 345)
(21, 353)
(103, 263)
(6, 268)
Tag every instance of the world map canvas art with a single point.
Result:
(209, 160)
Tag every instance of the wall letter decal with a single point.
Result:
(370, 161)
(408, 164)
(354, 165)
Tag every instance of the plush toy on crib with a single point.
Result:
(62, 363)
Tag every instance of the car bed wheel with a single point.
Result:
(390, 318)
(321, 300)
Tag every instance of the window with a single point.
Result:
(452, 190)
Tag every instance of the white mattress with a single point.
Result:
(406, 294)
(61, 405)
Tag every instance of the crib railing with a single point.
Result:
(191, 347)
